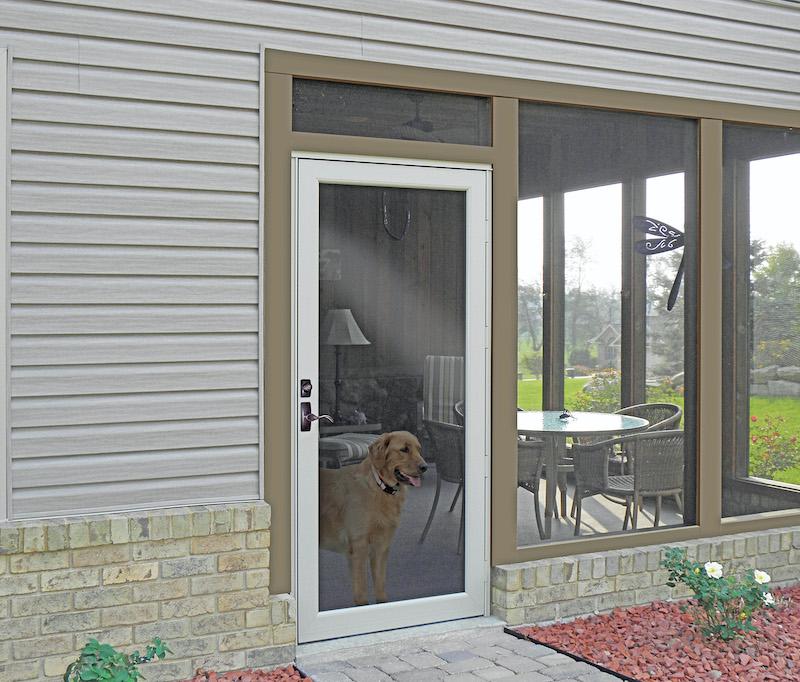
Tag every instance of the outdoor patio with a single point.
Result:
(600, 515)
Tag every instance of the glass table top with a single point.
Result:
(580, 423)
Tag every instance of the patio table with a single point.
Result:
(555, 431)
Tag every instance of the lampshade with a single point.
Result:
(339, 328)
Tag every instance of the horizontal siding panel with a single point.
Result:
(145, 260)
(158, 464)
(686, 20)
(139, 407)
(47, 46)
(131, 348)
(576, 75)
(132, 319)
(218, 30)
(169, 59)
(102, 111)
(776, 33)
(48, 289)
(135, 143)
(108, 438)
(87, 229)
(54, 47)
(130, 84)
(93, 170)
(586, 56)
(97, 379)
(760, 12)
(49, 77)
(585, 27)
(126, 201)
(305, 30)
(66, 500)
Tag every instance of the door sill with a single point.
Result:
(315, 652)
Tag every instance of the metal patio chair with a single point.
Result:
(448, 441)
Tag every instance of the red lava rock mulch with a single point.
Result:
(277, 675)
(659, 642)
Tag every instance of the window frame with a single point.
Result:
(506, 93)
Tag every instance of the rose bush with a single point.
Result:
(723, 606)
(772, 447)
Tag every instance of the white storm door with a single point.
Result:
(391, 329)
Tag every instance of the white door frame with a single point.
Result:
(308, 171)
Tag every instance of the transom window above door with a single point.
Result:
(396, 113)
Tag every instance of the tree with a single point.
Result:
(775, 303)
(664, 327)
(529, 313)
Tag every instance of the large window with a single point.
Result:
(761, 467)
(607, 218)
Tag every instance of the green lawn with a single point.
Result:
(529, 397)
(529, 392)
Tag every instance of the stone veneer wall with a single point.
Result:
(198, 577)
(558, 589)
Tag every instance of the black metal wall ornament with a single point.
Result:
(668, 239)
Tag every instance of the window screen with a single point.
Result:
(761, 467)
(606, 234)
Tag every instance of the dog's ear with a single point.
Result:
(378, 449)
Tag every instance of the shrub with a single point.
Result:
(772, 449)
(665, 392)
(103, 662)
(723, 606)
(600, 394)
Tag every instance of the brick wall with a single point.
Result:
(196, 577)
(558, 589)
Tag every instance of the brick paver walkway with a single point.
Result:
(462, 656)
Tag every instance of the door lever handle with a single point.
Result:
(307, 417)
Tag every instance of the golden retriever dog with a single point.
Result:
(360, 505)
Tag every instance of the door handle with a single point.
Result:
(307, 417)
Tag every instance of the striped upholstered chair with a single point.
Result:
(442, 387)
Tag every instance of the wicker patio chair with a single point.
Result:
(657, 458)
(662, 417)
(530, 465)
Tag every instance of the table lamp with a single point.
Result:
(339, 328)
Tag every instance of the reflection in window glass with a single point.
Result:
(595, 334)
(762, 339)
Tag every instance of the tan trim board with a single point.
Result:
(504, 328)
(278, 323)
(709, 330)
(395, 75)
(762, 521)
(402, 149)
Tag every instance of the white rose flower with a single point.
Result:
(761, 577)
(713, 569)
(768, 599)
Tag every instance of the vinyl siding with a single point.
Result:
(134, 232)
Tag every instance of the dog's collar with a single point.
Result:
(389, 490)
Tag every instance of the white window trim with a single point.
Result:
(5, 213)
